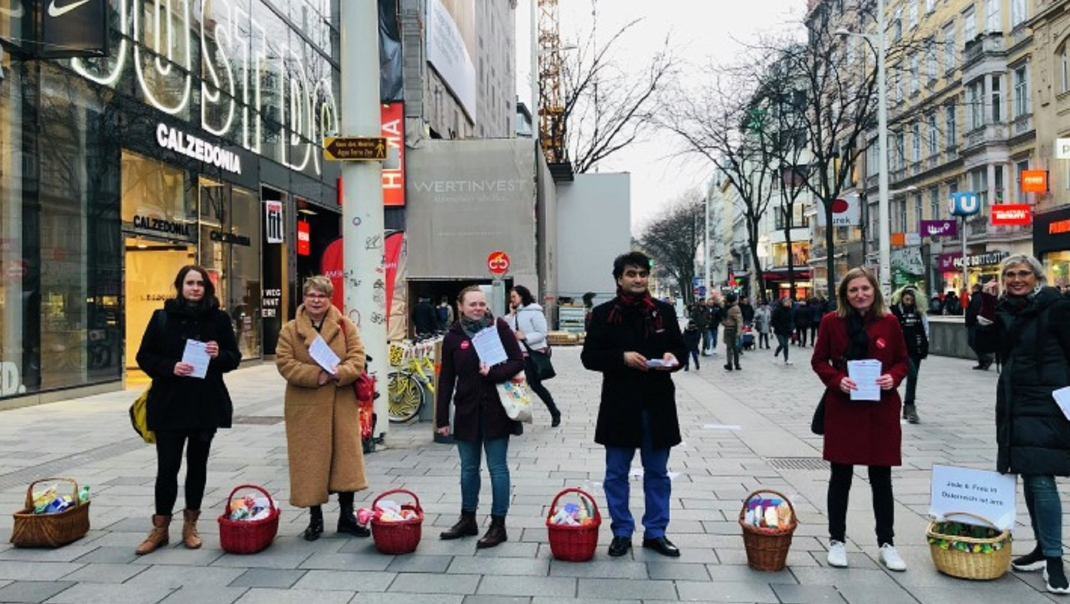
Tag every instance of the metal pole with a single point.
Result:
(362, 188)
(706, 246)
(965, 276)
(883, 212)
(535, 69)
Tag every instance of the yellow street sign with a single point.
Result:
(354, 148)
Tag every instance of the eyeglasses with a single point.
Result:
(316, 296)
(1020, 275)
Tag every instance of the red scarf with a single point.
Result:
(643, 304)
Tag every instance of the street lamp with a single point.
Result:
(883, 213)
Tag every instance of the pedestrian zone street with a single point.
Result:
(743, 431)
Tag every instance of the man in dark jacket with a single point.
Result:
(635, 342)
(747, 310)
(700, 314)
(424, 318)
(984, 360)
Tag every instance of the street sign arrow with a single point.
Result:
(354, 148)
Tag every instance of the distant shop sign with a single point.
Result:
(1011, 214)
(196, 148)
(953, 261)
(159, 225)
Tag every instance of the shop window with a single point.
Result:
(1058, 265)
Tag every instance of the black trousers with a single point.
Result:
(880, 481)
(763, 340)
(169, 446)
(802, 331)
(532, 376)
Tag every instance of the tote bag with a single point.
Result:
(516, 399)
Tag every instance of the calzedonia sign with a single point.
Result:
(159, 225)
(196, 148)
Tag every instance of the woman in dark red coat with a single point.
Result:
(861, 432)
(479, 420)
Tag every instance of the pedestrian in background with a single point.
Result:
(444, 314)
(323, 441)
(638, 404)
(817, 312)
(1029, 331)
(746, 310)
(801, 317)
(709, 339)
(185, 411)
(699, 312)
(936, 305)
(480, 424)
(733, 325)
(762, 318)
(861, 432)
(952, 306)
(909, 309)
(973, 311)
(424, 318)
(692, 339)
(782, 328)
(529, 325)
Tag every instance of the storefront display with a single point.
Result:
(1051, 244)
(979, 268)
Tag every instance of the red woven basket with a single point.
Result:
(767, 550)
(573, 543)
(400, 537)
(248, 536)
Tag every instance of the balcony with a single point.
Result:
(977, 226)
(984, 45)
(1023, 124)
(989, 133)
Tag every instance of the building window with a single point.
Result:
(969, 25)
(903, 215)
(934, 203)
(900, 151)
(872, 163)
(930, 6)
(914, 85)
(1021, 92)
(1018, 12)
(997, 100)
(997, 186)
(934, 145)
(974, 101)
(912, 13)
(915, 142)
(993, 23)
(931, 66)
(1064, 69)
(950, 126)
(917, 211)
(897, 25)
(950, 54)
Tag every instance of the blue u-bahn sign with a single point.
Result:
(964, 203)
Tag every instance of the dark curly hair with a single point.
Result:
(630, 259)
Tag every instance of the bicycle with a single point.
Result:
(411, 384)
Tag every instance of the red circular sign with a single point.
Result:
(498, 263)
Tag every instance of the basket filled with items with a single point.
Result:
(573, 527)
(768, 521)
(250, 523)
(51, 518)
(971, 549)
(396, 527)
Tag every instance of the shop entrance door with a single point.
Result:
(150, 268)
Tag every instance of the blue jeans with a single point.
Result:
(709, 340)
(657, 487)
(497, 451)
(1045, 512)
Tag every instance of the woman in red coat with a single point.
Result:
(861, 432)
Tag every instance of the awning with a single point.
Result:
(782, 275)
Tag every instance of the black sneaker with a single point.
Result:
(1031, 562)
(1054, 577)
(910, 413)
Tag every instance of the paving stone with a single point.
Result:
(433, 584)
(730, 573)
(496, 600)
(259, 595)
(377, 562)
(393, 598)
(104, 573)
(501, 567)
(627, 588)
(671, 571)
(180, 576)
(271, 558)
(36, 571)
(32, 591)
(100, 593)
(600, 569)
(199, 594)
(420, 564)
(808, 594)
(557, 587)
(109, 555)
(180, 556)
(856, 593)
(333, 580)
(262, 577)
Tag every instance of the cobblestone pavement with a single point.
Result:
(743, 431)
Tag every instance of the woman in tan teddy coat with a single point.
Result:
(322, 415)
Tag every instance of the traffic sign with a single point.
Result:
(498, 262)
(354, 148)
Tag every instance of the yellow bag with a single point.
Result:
(139, 417)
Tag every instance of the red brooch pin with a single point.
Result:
(880, 343)
(464, 345)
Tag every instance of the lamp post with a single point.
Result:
(883, 212)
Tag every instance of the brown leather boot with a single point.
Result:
(157, 538)
(495, 534)
(190, 538)
(466, 526)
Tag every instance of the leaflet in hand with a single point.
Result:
(658, 364)
(1062, 397)
(489, 346)
(864, 374)
(196, 354)
(323, 355)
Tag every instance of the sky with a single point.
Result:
(701, 32)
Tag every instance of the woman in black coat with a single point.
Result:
(782, 326)
(1028, 327)
(909, 308)
(479, 419)
(183, 410)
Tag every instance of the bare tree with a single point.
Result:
(720, 123)
(606, 107)
(673, 238)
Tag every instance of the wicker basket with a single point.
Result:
(970, 565)
(50, 530)
(767, 550)
(399, 537)
(248, 536)
(573, 543)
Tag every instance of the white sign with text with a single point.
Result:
(984, 493)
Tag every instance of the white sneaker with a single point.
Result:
(837, 554)
(891, 560)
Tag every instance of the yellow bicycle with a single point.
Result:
(411, 383)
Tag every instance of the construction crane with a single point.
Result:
(551, 104)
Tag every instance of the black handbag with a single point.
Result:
(544, 368)
(817, 423)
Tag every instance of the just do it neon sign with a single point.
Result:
(170, 20)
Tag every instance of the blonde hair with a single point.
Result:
(465, 292)
(843, 305)
(318, 282)
(919, 301)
